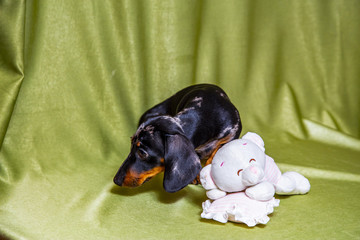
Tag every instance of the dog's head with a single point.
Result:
(160, 145)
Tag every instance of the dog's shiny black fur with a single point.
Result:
(176, 134)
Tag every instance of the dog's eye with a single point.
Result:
(142, 153)
(238, 172)
(251, 160)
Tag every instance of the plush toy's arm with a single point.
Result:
(215, 194)
(263, 191)
(208, 183)
(205, 178)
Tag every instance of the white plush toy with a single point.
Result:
(242, 165)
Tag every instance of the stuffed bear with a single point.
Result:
(242, 165)
(242, 181)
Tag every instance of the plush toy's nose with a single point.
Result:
(252, 175)
(253, 170)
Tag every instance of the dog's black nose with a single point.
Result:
(117, 181)
(119, 178)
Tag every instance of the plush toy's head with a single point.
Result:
(239, 164)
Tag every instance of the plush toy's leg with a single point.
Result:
(263, 191)
(286, 185)
(292, 183)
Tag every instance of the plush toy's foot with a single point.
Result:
(292, 183)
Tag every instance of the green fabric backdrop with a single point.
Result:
(75, 77)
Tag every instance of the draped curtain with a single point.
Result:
(75, 76)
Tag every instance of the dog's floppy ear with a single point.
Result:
(182, 164)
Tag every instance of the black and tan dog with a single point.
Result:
(176, 134)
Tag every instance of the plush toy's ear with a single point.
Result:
(182, 164)
(255, 138)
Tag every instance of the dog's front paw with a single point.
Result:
(196, 181)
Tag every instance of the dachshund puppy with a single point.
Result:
(177, 134)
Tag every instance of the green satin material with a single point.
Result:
(75, 77)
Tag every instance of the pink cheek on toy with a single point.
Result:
(221, 164)
(244, 143)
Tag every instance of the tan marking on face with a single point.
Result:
(134, 179)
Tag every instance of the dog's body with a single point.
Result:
(176, 134)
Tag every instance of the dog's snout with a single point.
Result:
(126, 176)
(119, 178)
(121, 173)
(117, 181)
